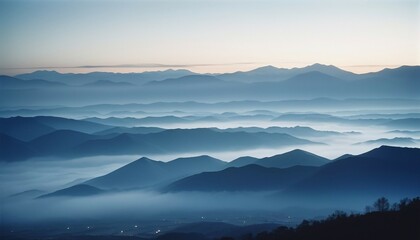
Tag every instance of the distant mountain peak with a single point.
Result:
(321, 65)
(267, 67)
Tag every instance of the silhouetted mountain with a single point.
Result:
(401, 141)
(76, 144)
(189, 81)
(316, 117)
(174, 140)
(133, 130)
(293, 158)
(285, 160)
(384, 171)
(60, 141)
(242, 161)
(248, 178)
(192, 165)
(297, 131)
(24, 128)
(140, 173)
(312, 84)
(403, 73)
(7, 82)
(108, 84)
(28, 194)
(404, 124)
(28, 128)
(344, 156)
(130, 121)
(71, 124)
(406, 132)
(13, 149)
(83, 78)
(146, 172)
(311, 79)
(271, 74)
(81, 190)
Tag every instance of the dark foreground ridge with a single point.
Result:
(381, 221)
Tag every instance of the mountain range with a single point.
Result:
(264, 84)
(145, 172)
(148, 173)
(390, 171)
(384, 171)
(60, 137)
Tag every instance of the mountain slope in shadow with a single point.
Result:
(145, 172)
(81, 190)
(384, 171)
(285, 160)
(248, 178)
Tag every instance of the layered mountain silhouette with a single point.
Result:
(190, 81)
(390, 171)
(262, 84)
(81, 190)
(293, 158)
(298, 131)
(404, 124)
(60, 142)
(134, 130)
(13, 149)
(145, 172)
(28, 128)
(84, 78)
(285, 160)
(130, 121)
(384, 171)
(7, 82)
(107, 84)
(401, 141)
(248, 178)
(271, 73)
(185, 140)
(28, 194)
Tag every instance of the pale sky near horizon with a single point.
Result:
(207, 36)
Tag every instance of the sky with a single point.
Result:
(207, 36)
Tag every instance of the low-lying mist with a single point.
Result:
(150, 206)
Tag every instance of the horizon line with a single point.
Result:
(175, 67)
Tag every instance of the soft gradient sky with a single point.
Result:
(207, 36)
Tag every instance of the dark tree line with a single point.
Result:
(381, 221)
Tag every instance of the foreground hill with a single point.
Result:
(399, 223)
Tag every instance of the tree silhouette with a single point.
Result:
(381, 205)
(403, 222)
